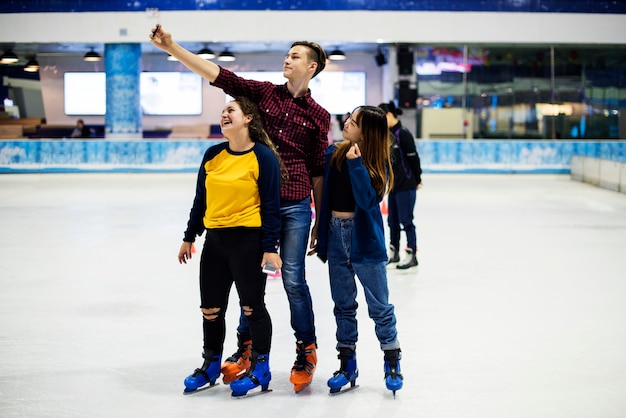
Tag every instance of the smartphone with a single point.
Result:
(269, 268)
(156, 29)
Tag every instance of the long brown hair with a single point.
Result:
(375, 147)
(258, 133)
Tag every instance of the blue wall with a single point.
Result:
(544, 6)
(493, 156)
(518, 156)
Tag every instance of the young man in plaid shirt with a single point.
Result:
(299, 128)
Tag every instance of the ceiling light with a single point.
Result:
(337, 55)
(9, 57)
(32, 66)
(172, 58)
(226, 56)
(92, 56)
(206, 53)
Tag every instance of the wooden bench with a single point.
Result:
(22, 121)
(53, 131)
(11, 132)
(29, 125)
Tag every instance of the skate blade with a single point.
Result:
(300, 387)
(342, 391)
(203, 388)
(251, 394)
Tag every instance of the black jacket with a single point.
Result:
(405, 160)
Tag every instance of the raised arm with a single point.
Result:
(204, 68)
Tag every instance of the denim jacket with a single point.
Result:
(368, 235)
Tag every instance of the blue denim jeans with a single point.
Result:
(296, 226)
(400, 206)
(373, 278)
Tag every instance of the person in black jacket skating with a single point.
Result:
(401, 200)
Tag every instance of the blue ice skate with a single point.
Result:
(393, 377)
(258, 375)
(347, 373)
(205, 376)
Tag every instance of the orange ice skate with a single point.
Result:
(239, 363)
(304, 366)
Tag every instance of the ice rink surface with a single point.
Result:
(517, 309)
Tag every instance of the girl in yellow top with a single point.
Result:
(238, 204)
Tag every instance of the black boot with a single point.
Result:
(409, 261)
(394, 255)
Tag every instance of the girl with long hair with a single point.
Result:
(351, 238)
(237, 203)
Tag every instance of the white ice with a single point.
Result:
(517, 308)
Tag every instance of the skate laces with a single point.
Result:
(252, 377)
(302, 362)
(250, 373)
(343, 357)
(241, 353)
(198, 372)
(342, 371)
(392, 358)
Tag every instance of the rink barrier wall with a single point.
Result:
(606, 174)
(440, 156)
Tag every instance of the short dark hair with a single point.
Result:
(391, 107)
(316, 54)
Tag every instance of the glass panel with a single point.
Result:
(521, 92)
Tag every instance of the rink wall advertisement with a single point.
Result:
(443, 156)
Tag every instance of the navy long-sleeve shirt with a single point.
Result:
(368, 234)
(237, 189)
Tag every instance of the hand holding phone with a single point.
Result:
(269, 268)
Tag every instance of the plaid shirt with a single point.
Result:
(297, 126)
